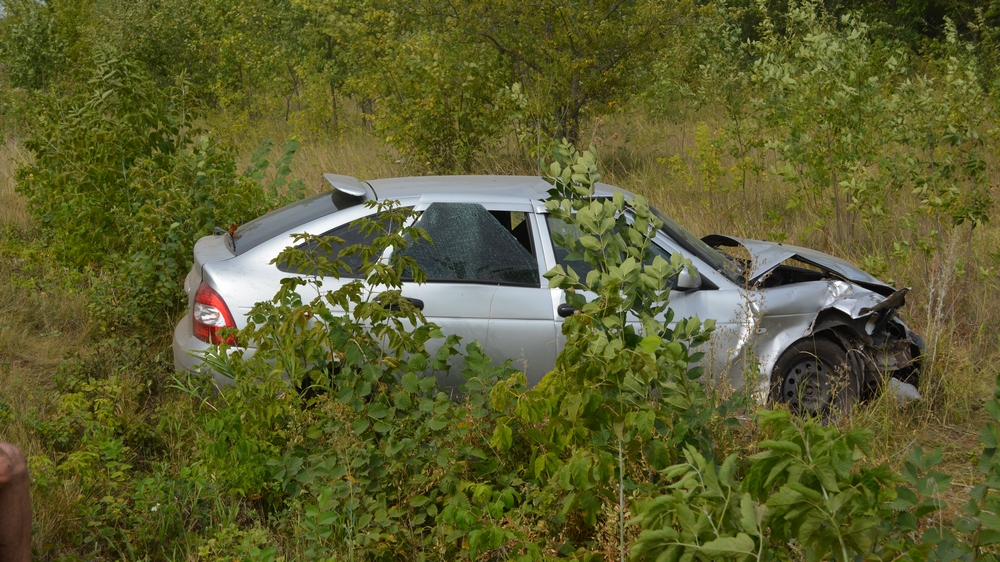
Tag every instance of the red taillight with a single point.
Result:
(210, 314)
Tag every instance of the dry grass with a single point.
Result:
(353, 152)
(12, 208)
(41, 319)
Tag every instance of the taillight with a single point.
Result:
(210, 314)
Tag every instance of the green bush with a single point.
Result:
(33, 47)
(124, 181)
(336, 418)
(441, 107)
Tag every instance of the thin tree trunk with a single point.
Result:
(333, 98)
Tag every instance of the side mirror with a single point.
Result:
(688, 280)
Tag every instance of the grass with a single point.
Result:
(45, 318)
(13, 213)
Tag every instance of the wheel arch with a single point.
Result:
(839, 326)
(849, 334)
(818, 353)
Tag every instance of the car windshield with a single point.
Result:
(715, 259)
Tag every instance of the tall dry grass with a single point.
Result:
(43, 316)
(13, 212)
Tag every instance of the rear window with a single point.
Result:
(266, 227)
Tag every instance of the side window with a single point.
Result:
(351, 233)
(471, 244)
(582, 268)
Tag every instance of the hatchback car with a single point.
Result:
(796, 325)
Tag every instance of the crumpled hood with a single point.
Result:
(765, 256)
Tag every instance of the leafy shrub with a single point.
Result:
(124, 180)
(327, 420)
(336, 418)
(441, 107)
(806, 495)
(33, 47)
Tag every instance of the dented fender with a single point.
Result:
(853, 316)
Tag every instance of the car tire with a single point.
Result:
(815, 377)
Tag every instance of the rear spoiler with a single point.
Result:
(351, 187)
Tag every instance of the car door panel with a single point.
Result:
(484, 284)
(735, 312)
(510, 322)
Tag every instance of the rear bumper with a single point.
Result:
(186, 345)
(187, 349)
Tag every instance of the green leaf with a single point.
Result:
(730, 547)
(503, 437)
(750, 514)
(579, 469)
(409, 383)
(359, 426)
(591, 243)
(650, 344)
(418, 363)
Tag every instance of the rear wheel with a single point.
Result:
(814, 377)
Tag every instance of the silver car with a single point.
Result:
(793, 324)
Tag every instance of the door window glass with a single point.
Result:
(471, 244)
(351, 233)
(582, 268)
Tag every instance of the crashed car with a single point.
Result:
(794, 325)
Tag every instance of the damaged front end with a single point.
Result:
(807, 294)
(883, 346)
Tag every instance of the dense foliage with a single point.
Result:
(444, 82)
(873, 119)
(124, 177)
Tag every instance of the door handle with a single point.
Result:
(566, 310)
(417, 303)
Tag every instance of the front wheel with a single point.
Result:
(814, 377)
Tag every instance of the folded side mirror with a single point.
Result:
(688, 280)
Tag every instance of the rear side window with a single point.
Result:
(351, 233)
(473, 245)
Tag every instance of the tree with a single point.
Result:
(825, 90)
(573, 59)
(348, 41)
(32, 45)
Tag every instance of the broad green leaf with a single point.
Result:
(730, 547)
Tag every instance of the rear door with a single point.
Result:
(484, 283)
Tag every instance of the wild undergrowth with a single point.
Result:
(331, 446)
(358, 455)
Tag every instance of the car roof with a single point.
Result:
(528, 187)
(468, 188)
